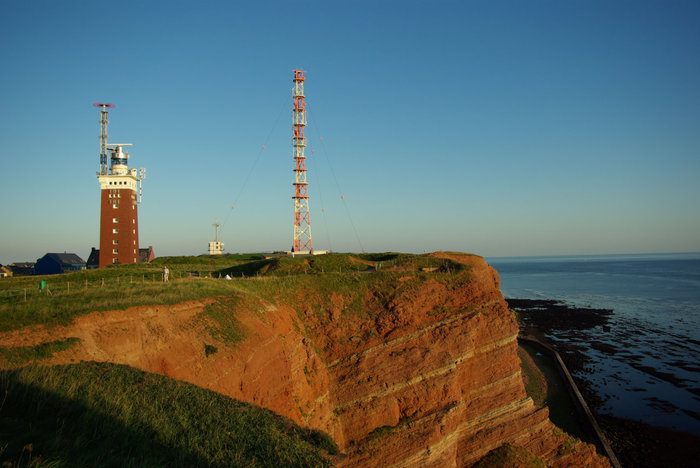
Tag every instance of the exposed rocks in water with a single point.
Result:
(635, 444)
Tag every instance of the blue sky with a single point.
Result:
(500, 128)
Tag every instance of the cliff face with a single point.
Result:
(405, 369)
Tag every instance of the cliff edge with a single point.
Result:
(402, 366)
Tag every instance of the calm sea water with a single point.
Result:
(653, 374)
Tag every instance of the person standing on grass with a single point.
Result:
(166, 273)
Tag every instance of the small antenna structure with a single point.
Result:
(216, 226)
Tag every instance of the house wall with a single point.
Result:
(47, 266)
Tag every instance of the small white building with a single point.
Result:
(216, 247)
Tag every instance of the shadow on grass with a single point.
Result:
(251, 268)
(40, 427)
(108, 415)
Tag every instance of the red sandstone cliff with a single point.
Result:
(401, 370)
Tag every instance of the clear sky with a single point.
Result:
(495, 127)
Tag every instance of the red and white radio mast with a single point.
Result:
(302, 220)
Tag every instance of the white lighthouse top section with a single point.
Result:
(120, 175)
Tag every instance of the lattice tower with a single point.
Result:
(103, 135)
(302, 220)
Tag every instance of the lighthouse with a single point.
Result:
(120, 194)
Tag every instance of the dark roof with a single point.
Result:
(66, 258)
(22, 268)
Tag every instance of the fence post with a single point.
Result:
(25, 294)
(69, 287)
(103, 282)
(86, 284)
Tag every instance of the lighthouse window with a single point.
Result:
(116, 251)
(115, 260)
(115, 231)
(115, 241)
(115, 220)
(115, 205)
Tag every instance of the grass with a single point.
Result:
(561, 408)
(510, 456)
(210, 349)
(535, 381)
(99, 414)
(222, 311)
(24, 354)
(123, 286)
(62, 306)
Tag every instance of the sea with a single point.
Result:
(651, 370)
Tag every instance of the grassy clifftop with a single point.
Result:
(92, 414)
(123, 286)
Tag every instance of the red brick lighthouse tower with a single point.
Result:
(120, 188)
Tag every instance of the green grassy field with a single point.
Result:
(25, 354)
(107, 415)
(509, 456)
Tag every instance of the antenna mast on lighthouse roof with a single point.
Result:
(103, 135)
(302, 220)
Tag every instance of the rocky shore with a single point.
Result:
(564, 327)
